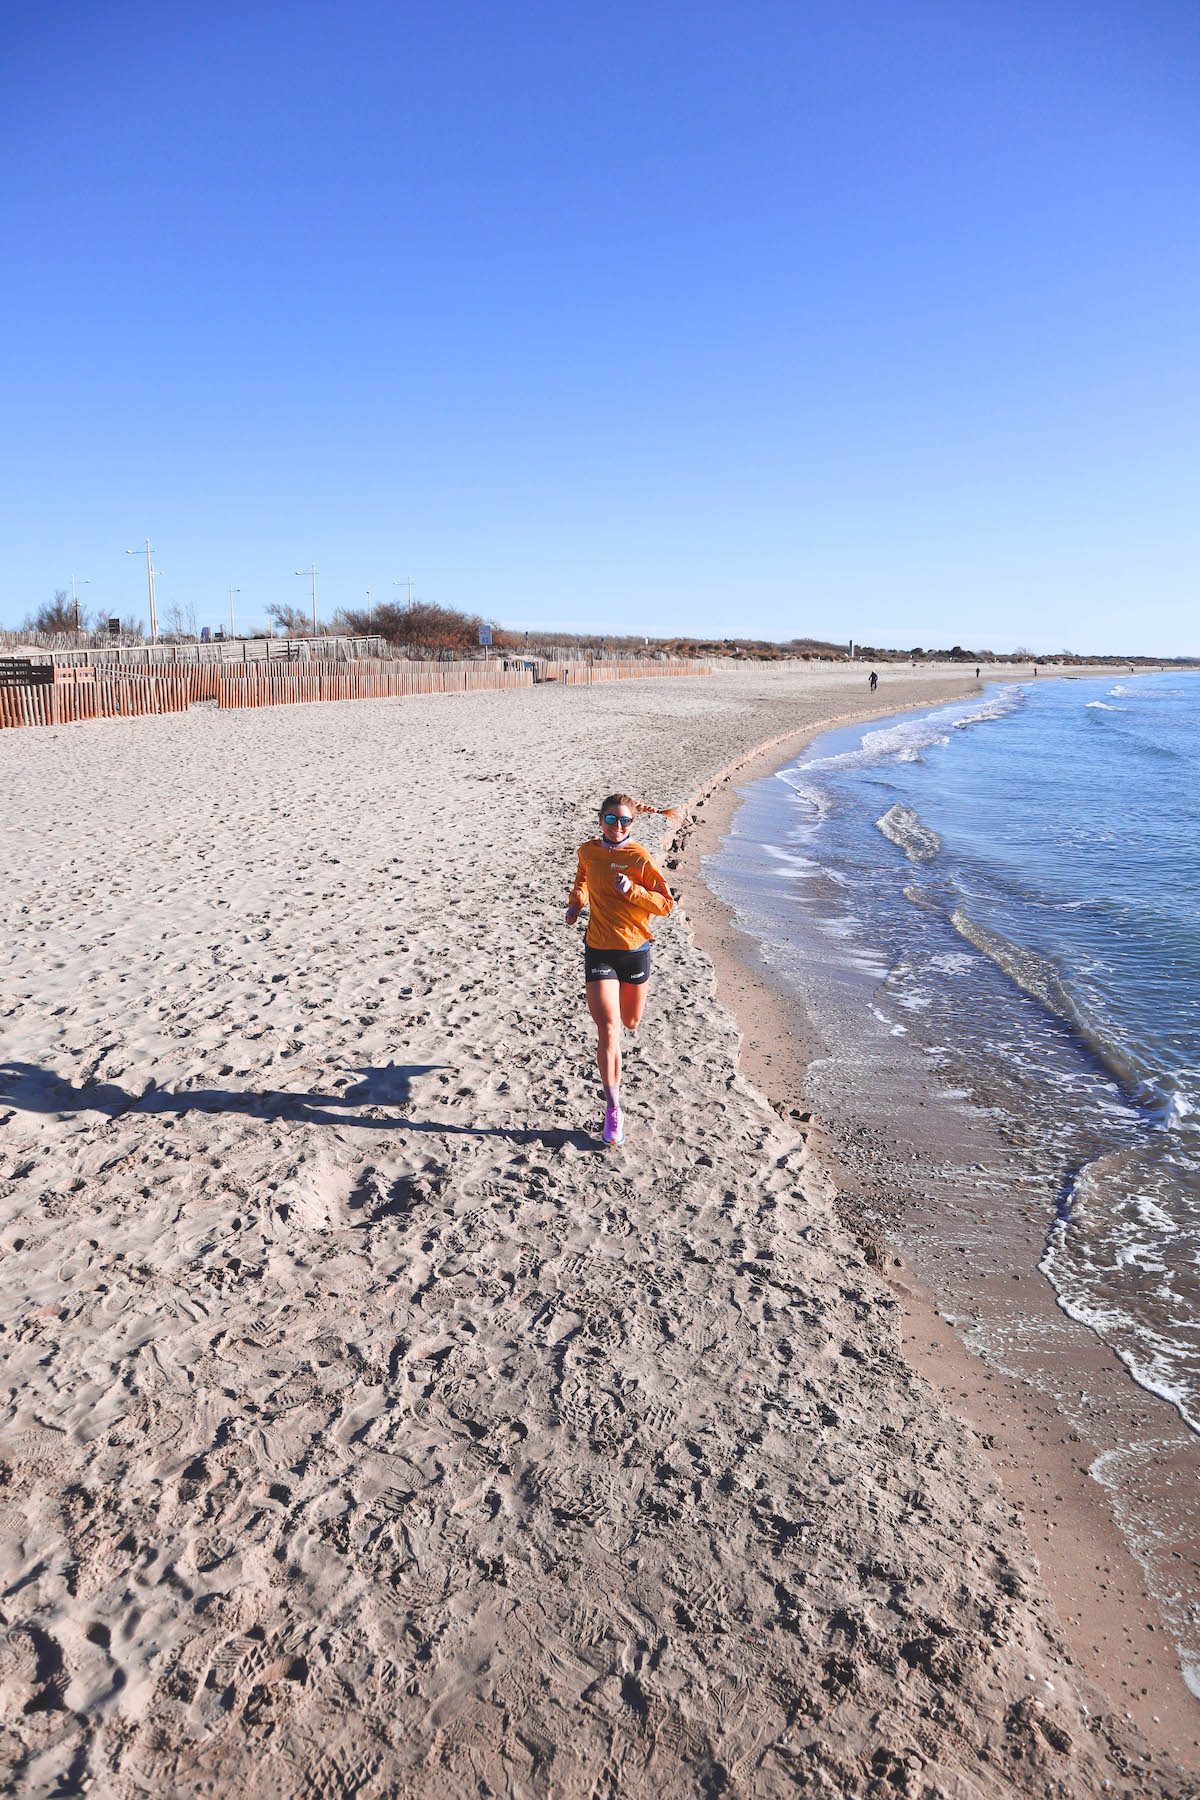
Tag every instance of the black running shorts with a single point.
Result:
(616, 965)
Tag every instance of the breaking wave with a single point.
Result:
(1038, 977)
(1032, 973)
(904, 828)
(906, 741)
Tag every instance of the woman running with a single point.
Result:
(622, 890)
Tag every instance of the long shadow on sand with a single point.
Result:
(36, 1090)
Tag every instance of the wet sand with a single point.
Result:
(367, 1428)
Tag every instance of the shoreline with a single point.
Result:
(1029, 1447)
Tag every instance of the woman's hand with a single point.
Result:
(624, 885)
(573, 913)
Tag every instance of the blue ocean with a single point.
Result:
(1010, 884)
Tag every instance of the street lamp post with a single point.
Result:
(314, 594)
(75, 603)
(232, 591)
(151, 572)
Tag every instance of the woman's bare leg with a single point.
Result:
(633, 1003)
(605, 1008)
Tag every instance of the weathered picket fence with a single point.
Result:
(62, 694)
(292, 684)
(577, 674)
(42, 694)
(56, 694)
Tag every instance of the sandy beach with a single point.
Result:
(367, 1428)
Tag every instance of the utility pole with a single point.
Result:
(406, 580)
(151, 572)
(314, 595)
(232, 591)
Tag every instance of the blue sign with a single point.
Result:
(485, 636)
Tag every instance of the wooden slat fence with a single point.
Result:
(41, 694)
(584, 674)
(65, 696)
(63, 647)
(292, 684)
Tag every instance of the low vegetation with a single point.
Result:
(417, 627)
(444, 631)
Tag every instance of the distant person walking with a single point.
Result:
(874, 681)
(622, 890)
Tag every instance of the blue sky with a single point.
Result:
(871, 319)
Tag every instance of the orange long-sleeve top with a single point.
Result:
(618, 921)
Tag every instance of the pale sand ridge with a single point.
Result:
(365, 1428)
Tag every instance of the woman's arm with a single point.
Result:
(578, 897)
(652, 891)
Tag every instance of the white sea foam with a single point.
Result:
(953, 962)
(1101, 1234)
(894, 1030)
(1152, 1377)
(995, 706)
(1152, 1214)
(1103, 706)
(904, 828)
(909, 738)
(1183, 1106)
(798, 868)
(1143, 1257)
(834, 926)
(804, 794)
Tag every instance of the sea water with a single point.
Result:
(1006, 890)
(1017, 878)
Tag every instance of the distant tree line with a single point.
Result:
(420, 626)
(425, 629)
(61, 617)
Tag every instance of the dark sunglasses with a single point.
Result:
(618, 818)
